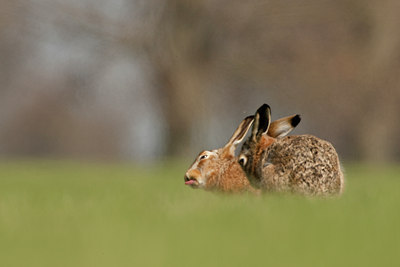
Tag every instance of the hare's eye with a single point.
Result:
(203, 157)
(242, 160)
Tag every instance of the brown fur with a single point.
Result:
(227, 177)
(304, 164)
(220, 171)
(261, 146)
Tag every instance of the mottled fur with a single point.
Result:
(303, 164)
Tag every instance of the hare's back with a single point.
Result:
(310, 164)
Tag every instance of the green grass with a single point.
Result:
(71, 214)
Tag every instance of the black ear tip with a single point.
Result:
(249, 118)
(263, 108)
(296, 120)
(263, 115)
(265, 105)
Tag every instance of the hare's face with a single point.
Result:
(213, 168)
(245, 156)
(263, 134)
(251, 155)
(204, 167)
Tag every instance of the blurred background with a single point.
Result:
(142, 80)
(109, 88)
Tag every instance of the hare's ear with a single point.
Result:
(262, 120)
(283, 126)
(239, 134)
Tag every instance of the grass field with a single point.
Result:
(75, 214)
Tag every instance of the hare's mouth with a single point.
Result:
(191, 181)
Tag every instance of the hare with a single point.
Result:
(302, 164)
(219, 170)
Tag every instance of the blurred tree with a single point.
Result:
(380, 124)
(311, 57)
(180, 74)
(179, 54)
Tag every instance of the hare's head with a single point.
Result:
(263, 134)
(219, 169)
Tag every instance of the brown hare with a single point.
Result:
(303, 164)
(219, 170)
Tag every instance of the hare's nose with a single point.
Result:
(190, 175)
(186, 177)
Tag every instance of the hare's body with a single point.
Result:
(303, 164)
(219, 170)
